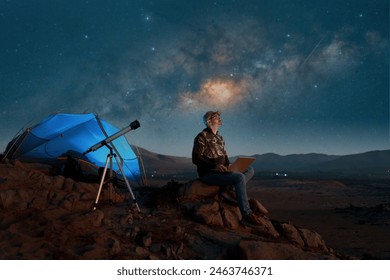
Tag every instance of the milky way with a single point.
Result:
(298, 77)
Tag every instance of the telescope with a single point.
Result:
(106, 142)
(134, 125)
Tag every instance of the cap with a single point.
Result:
(210, 114)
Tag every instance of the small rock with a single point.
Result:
(142, 252)
(144, 239)
(96, 217)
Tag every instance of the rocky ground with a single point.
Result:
(50, 217)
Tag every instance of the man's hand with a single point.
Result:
(221, 168)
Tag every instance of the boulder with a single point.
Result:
(196, 189)
(292, 234)
(313, 240)
(216, 206)
(257, 207)
(266, 228)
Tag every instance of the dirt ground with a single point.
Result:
(353, 217)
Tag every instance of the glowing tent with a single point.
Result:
(63, 135)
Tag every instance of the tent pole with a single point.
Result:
(13, 144)
(144, 179)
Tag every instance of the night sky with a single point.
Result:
(293, 76)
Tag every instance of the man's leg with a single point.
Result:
(249, 174)
(238, 180)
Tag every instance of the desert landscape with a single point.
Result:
(353, 217)
(48, 216)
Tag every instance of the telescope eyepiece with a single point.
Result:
(135, 124)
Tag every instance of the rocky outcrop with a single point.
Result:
(51, 217)
(215, 206)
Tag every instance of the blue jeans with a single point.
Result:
(238, 180)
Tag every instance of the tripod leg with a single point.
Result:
(110, 180)
(102, 181)
(128, 186)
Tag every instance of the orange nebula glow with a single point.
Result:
(218, 93)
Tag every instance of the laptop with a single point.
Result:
(241, 164)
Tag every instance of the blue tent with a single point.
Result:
(73, 134)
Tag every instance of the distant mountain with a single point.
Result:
(161, 165)
(294, 162)
(374, 163)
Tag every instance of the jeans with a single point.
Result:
(238, 180)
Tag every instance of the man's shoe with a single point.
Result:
(252, 219)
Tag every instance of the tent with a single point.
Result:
(61, 136)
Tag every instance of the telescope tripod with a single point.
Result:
(110, 156)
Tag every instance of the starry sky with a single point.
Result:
(290, 76)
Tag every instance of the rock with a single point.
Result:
(155, 248)
(196, 190)
(292, 234)
(37, 199)
(58, 183)
(7, 199)
(142, 252)
(208, 213)
(127, 220)
(313, 240)
(147, 239)
(257, 207)
(178, 230)
(166, 250)
(216, 206)
(231, 216)
(265, 229)
(96, 217)
(50, 217)
(87, 191)
(179, 250)
(68, 185)
(114, 244)
(144, 239)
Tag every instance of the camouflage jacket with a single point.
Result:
(208, 151)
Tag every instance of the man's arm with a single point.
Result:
(198, 151)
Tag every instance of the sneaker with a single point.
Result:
(251, 218)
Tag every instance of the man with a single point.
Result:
(210, 157)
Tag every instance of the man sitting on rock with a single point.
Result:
(210, 157)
